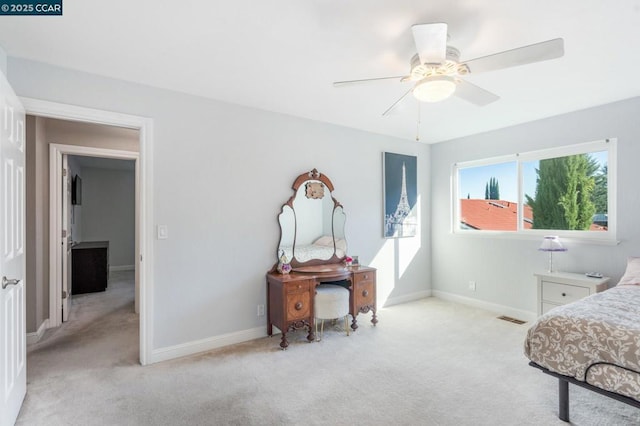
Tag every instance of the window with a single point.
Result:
(567, 191)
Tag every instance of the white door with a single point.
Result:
(65, 247)
(13, 365)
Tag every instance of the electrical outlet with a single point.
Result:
(260, 310)
(472, 285)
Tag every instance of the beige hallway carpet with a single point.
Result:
(428, 362)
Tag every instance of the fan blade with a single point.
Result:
(341, 83)
(474, 94)
(396, 102)
(543, 51)
(431, 42)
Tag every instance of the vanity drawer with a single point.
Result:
(562, 293)
(298, 305)
(363, 276)
(297, 287)
(364, 294)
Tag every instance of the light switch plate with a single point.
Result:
(163, 232)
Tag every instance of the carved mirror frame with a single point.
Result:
(313, 182)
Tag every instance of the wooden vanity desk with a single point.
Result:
(313, 247)
(290, 296)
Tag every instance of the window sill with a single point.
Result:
(578, 240)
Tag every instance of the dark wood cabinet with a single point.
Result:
(290, 296)
(89, 267)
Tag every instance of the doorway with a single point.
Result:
(143, 178)
(60, 212)
(99, 227)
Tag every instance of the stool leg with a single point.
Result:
(316, 327)
(321, 329)
(346, 323)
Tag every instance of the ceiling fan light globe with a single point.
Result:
(434, 89)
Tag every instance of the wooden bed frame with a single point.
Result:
(563, 390)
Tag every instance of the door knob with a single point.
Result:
(6, 283)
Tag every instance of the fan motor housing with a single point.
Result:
(450, 66)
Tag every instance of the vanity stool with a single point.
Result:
(331, 302)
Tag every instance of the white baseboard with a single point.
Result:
(35, 336)
(203, 345)
(407, 298)
(492, 307)
(122, 268)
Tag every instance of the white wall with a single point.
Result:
(502, 267)
(221, 174)
(108, 212)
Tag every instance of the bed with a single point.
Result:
(322, 248)
(593, 343)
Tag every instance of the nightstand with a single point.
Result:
(560, 288)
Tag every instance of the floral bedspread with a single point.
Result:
(595, 340)
(304, 253)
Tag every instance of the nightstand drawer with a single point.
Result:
(562, 293)
(546, 307)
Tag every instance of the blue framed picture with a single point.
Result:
(400, 195)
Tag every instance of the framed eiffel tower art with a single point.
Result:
(400, 195)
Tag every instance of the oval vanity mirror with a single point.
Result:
(312, 223)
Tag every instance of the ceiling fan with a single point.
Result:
(436, 68)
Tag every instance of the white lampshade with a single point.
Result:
(551, 243)
(434, 89)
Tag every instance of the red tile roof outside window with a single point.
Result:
(498, 215)
(493, 215)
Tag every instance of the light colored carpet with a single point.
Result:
(428, 362)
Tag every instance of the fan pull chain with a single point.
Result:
(418, 124)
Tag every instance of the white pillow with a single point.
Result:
(324, 241)
(341, 245)
(632, 274)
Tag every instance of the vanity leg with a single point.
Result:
(374, 319)
(354, 323)
(284, 343)
(269, 329)
(311, 336)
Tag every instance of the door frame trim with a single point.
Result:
(144, 199)
(56, 153)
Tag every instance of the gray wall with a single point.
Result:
(221, 174)
(37, 223)
(108, 212)
(3, 61)
(503, 267)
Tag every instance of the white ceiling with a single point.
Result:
(283, 55)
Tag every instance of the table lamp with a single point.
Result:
(551, 244)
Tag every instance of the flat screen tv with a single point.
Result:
(76, 190)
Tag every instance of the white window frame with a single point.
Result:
(608, 236)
